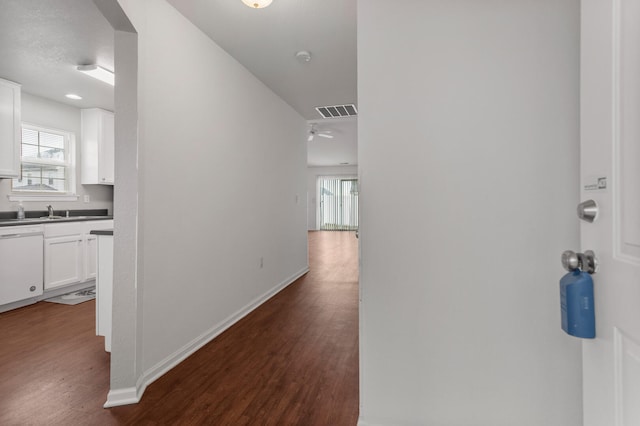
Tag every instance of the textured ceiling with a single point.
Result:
(42, 42)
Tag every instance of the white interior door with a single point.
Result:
(610, 175)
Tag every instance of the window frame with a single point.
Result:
(70, 164)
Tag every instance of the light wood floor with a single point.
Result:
(293, 361)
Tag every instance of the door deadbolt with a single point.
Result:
(587, 261)
(588, 211)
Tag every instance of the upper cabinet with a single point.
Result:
(97, 146)
(9, 129)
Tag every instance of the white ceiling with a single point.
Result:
(331, 152)
(42, 42)
(266, 40)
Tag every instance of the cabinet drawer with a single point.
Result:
(62, 229)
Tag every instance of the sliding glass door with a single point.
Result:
(338, 204)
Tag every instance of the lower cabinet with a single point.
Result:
(63, 261)
(70, 252)
(91, 255)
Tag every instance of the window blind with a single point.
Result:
(338, 204)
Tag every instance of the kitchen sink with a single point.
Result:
(51, 217)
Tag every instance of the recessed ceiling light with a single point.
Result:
(257, 4)
(98, 72)
(73, 96)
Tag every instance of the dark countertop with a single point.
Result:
(35, 217)
(35, 214)
(17, 222)
(102, 232)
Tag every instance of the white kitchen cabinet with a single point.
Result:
(97, 146)
(90, 256)
(91, 246)
(63, 259)
(70, 252)
(10, 129)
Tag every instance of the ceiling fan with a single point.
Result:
(313, 132)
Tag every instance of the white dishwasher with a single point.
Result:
(21, 262)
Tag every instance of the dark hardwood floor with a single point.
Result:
(293, 361)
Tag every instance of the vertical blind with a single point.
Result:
(338, 204)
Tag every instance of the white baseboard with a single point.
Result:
(363, 422)
(133, 395)
(124, 396)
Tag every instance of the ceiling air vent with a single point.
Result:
(338, 111)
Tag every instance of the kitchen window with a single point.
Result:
(47, 166)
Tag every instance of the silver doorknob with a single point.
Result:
(588, 211)
(570, 260)
(587, 261)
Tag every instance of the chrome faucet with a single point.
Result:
(50, 210)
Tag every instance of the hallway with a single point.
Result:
(293, 361)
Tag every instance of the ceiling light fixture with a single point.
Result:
(303, 56)
(98, 72)
(73, 96)
(257, 4)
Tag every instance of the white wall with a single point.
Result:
(47, 113)
(473, 105)
(312, 188)
(220, 168)
(126, 364)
